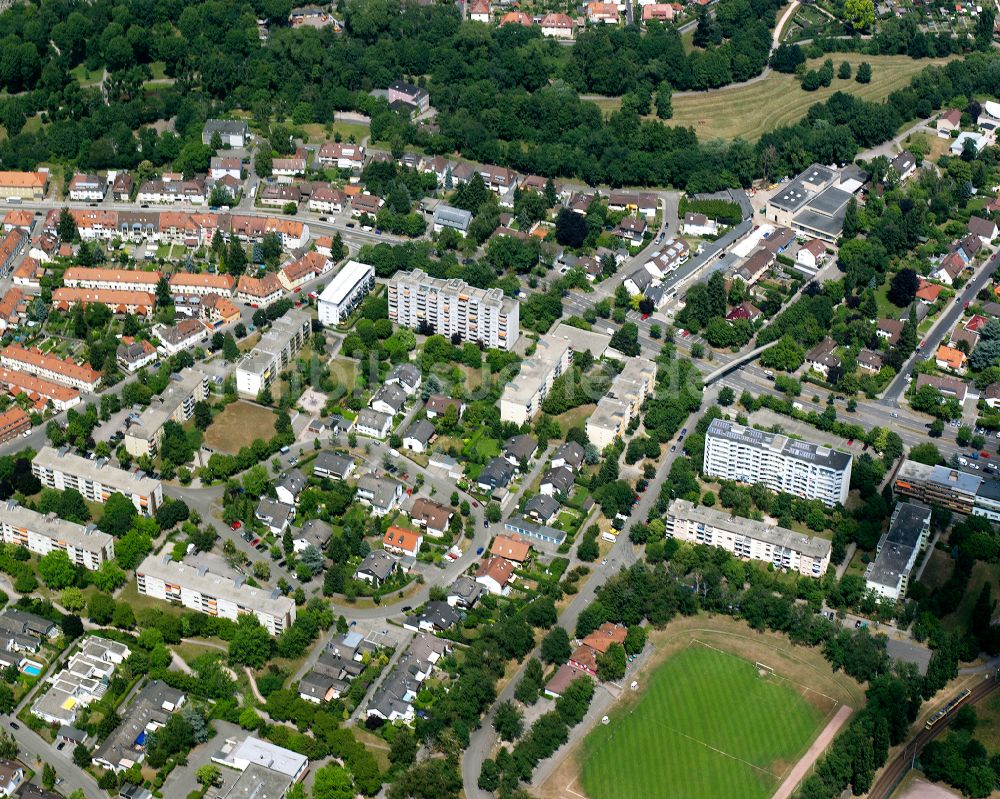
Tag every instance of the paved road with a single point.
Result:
(945, 322)
(36, 751)
(621, 555)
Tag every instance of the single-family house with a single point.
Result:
(289, 486)
(400, 541)
(950, 358)
(512, 547)
(519, 449)
(557, 482)
(418, 435)
(432, 517)
(406, 376)
(464, 592)
(376, 567)
(541, 508)
(811, 256)
(985, 229)
(495, 575)
(382, 494)
(497, 473)
(699, 225)
(948, 122)
(373, 423)
(275, 515)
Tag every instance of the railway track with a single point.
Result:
(902, 762)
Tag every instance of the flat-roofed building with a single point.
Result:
(898, 549)
(522, 396)
(96, 480)
(83, 680)
(748, 538)
(348, 288)
(212, 594)
(67, 373)
(948, 488)
(273, 353)
(746, 455)
(175, 404)
(616, 409)
(44, 533)
(451, 306)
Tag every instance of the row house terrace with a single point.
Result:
(178, 227)
(117, 279)
(295, 274)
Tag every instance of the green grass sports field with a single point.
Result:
(706, 725)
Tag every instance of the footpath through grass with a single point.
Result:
(707, 725)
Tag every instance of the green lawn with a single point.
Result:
(707, 725)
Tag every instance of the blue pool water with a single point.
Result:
(32, 671)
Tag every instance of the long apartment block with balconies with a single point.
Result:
(199, 589)
(746, 455)
(748, 539)
(96, 480)
(44, 533)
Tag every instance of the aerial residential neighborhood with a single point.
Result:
(491, 400)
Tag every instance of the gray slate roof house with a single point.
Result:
(557, 481)
(329, 464)
(389, 399)
(435, 616)
(420, 433)
(274, 514)
(290, 485)
(570, 454)
(376, 567)
(518, 448)
(314, 532)
(497, 473)
(406, 376)
(464, 592)
(541, 508)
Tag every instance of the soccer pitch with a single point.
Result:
(707, 725)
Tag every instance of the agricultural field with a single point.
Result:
(708, 725)
(239, 424)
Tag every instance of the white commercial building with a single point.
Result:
(341, 296)
(273, 352)
(96, 480)
(451, 306)
(748, 538)
(212, 594)
(746, 455)
(522, 397)
(898, 550)
(616, 409)
(42, 534)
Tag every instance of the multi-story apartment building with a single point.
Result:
(139, 303)
(748, 538)
(341, 156)
(909, 531)
(169, 192)
(616, 409)
(96, 480)
(42, 534)
(83, 277)
(67, 373)
(452, 306)
(198, 589)
(349, 287)
(176, 404)
(273, 352)
(522, 396)
(746, 455)
(297, 273)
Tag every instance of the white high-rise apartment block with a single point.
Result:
(748, 538)
(451, 306)
(746, 455)
(273, 353)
